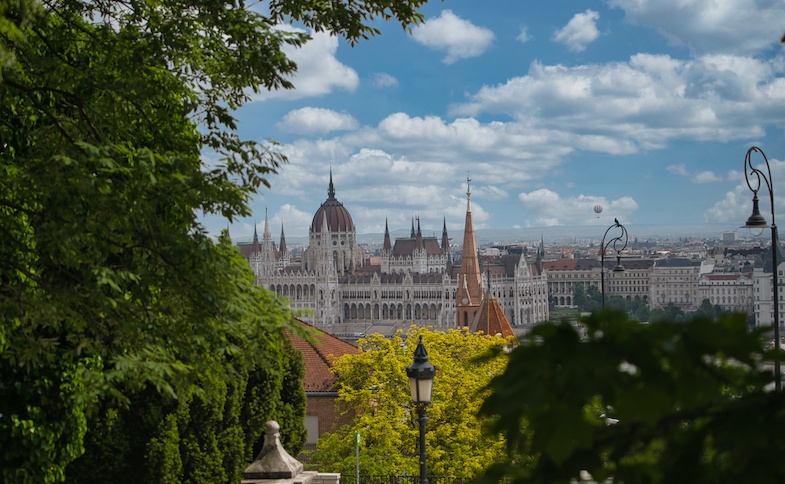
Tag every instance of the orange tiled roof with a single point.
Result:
(491, 319)
(319, 357)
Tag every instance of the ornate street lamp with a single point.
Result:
(620, 239)
(421, 374)
(757, 222)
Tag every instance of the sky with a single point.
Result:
(645, 108)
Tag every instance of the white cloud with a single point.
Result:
(705, 176)
(523, 36)
(311, 120)
(642, 104)
(382, 79)
(295, 222)
(548, 208)
(580, 31)
(736, 206)
(458, 37)
(319, 72)
(489, 192)
(679, 169)
(730, 26)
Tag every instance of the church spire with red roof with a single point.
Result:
(469, 295)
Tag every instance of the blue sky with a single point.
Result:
(644, 107)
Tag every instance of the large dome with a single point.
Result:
(338, 218)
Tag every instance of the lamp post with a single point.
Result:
(615, 241)
(421, 374)
(756, 221)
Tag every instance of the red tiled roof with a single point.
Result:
(491, 319)
(319, 357)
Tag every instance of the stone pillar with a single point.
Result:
(275, 465)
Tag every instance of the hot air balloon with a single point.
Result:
(598, 209)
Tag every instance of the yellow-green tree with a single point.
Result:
(374, 386)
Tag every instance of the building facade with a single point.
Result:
(416, 281)
(729, 291)
(675, 281)
(763, 292)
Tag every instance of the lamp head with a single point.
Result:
(619, 267)
(755, 220)
(421, 374)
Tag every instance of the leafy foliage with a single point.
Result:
(109, 286)
(209, 436)
(692, 399)
(375, 388)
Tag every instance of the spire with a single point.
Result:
(282, 245)
(255, 245)
(325, 228)
(470, 293)
(387, 245)
(413, 234)
(418, 245)
(468, 194)
(445, 238)
(266, 234)
(331, 188)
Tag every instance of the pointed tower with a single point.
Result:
(445, 238)
(387, 244)
(267, 249)
(282, 245)
(418, 245)
(413, 233)
(469, 294)
(255, 245)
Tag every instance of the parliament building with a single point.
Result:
(414, 280)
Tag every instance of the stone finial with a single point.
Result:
(273, 462)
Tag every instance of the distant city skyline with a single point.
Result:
(550, 235)
(645, 108)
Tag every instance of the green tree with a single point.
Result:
(708, 310)
(669, 312)
(587, 297)
(208, 436)
(374, 386)
(109, 285)
(692, 399)
(639, 309)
